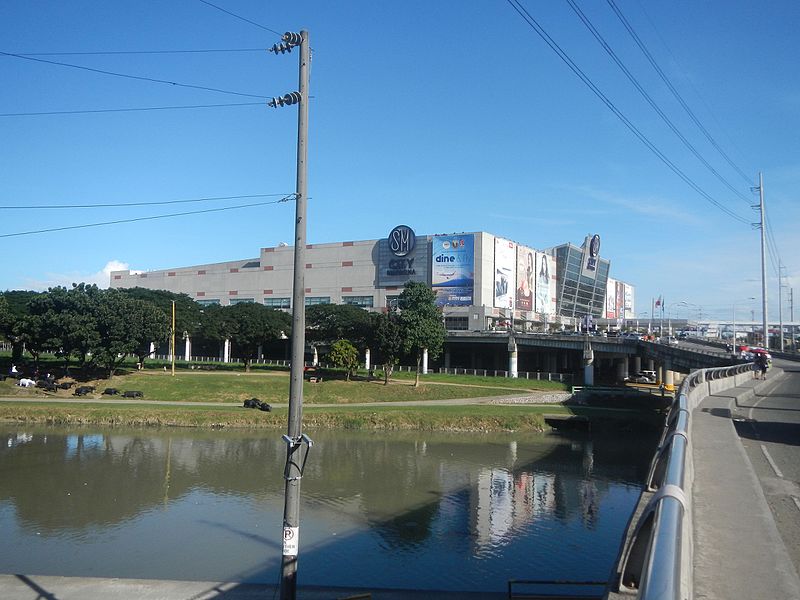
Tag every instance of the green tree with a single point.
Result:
(18, 306)
(344, 356)
(116, 329)
(150, 324)
(388, 341)
(70, 317)
(327, 323)
(6, 318)
(420, 322)
(34, 332)
(250, 325)
(187, 311)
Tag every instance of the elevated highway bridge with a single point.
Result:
(587, 358)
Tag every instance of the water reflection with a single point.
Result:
(459, 512)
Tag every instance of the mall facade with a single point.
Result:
(481, 281)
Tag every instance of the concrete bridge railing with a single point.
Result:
(656, 558)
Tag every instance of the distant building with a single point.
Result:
(481, 281)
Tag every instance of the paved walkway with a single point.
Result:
(43, 587)
(738, 549)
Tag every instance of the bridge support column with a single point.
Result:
(564, 361)
(447, 359)
(552, 363)
(637, 364)
(588, 363)
(669, 380)
(651, 364)
(424, 361)
(669, 376)
(622, 369)
(512, 358)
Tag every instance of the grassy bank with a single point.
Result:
(273, 387)
(472, 418)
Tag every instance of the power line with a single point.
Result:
(137, 77)
(114, 110)
(601, 40)
(122, 52)
(152, 218)
(227, 12)
(533, 24)
(674, 91)
(125, 204)
(743, 175)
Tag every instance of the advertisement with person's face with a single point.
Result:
(526, 270)
(611, 299)
(545, 284)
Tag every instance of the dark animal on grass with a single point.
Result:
(256, 403)
(46, 385)
(83, 390)
(110, 392)
(132, 394)
(66, 385)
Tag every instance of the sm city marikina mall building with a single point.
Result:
(481, 281)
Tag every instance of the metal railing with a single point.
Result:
(658, 560)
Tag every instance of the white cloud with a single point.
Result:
(101, 277)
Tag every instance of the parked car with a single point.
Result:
(643, 377)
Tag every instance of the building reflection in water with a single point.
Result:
(397, 499)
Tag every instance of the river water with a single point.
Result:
(386, 510)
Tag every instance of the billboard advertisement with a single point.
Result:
(453, 269)
(611, 299)
(628, 307)
(591, 256)
(505, 269)
(526, 272)
(545, 284)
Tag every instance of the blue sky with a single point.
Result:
(446, 116)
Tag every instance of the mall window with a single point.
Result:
(456, 323)
(314, 300)
(284, 303)
(392, 301)
(362, 301)
(242, 301)
(208, 302)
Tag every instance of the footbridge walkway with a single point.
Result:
(720, 515)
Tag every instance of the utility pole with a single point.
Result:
(791, 319)
(172, 341)
(780, 301)
(297, 443)
(763, 261)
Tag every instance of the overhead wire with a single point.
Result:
(654, 105)
(127, 76)
(642, 46)
(533, 24)
(127, 204)
(122, 52)
(241, 18)
(116, 110)
(688, 80)
(150, 218)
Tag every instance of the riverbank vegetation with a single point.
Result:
(466, 418)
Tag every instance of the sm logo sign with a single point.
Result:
(402, 240)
